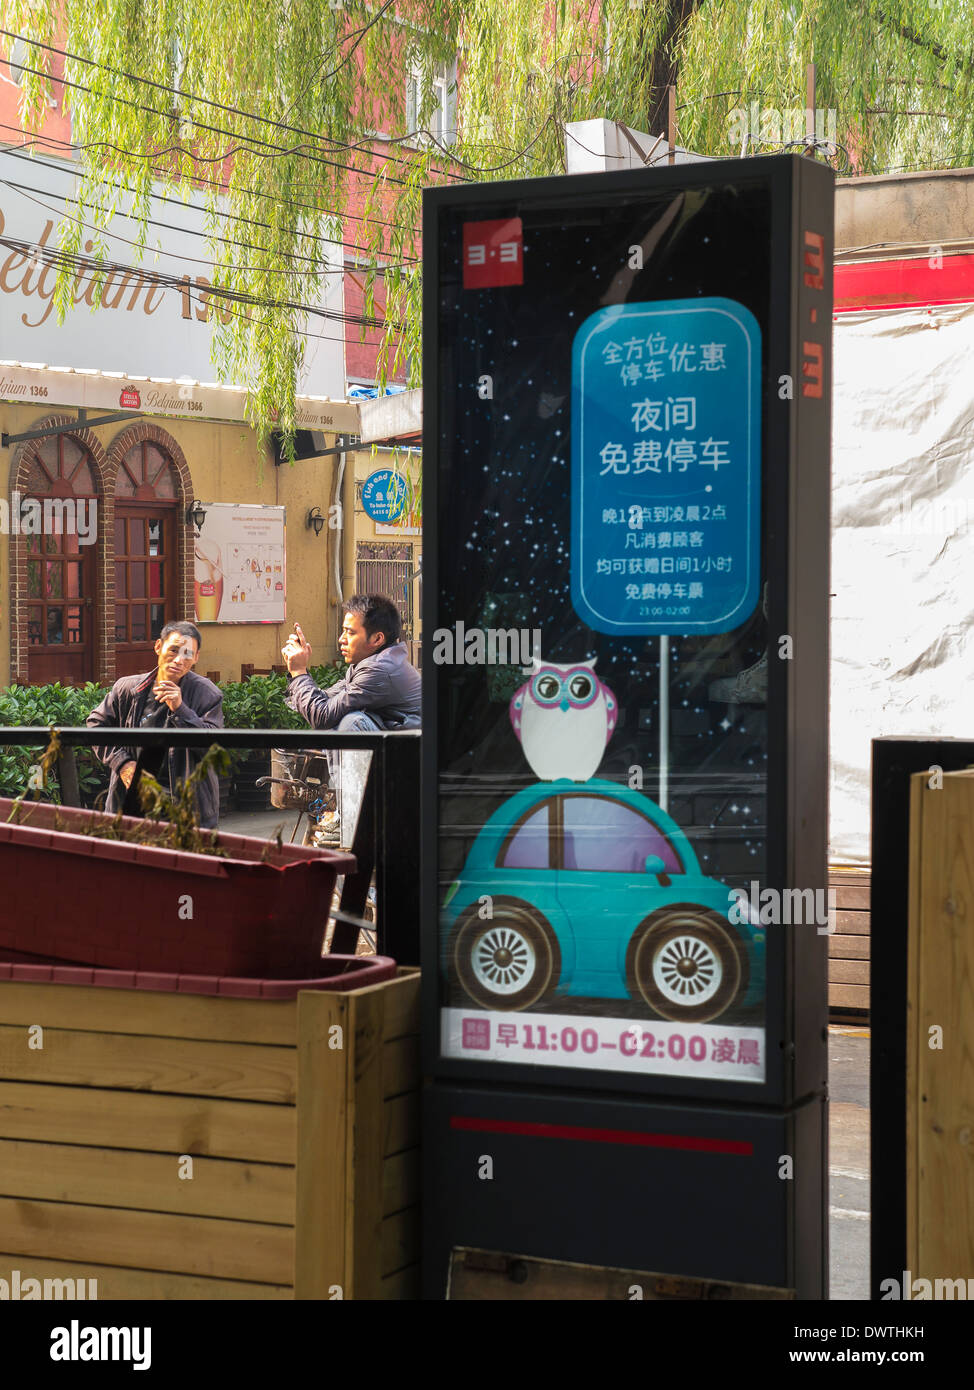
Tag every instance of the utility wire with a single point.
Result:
(336, 145)
(185, 231)
(37, 138)
(80, 264)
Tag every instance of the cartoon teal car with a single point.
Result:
(590, 889)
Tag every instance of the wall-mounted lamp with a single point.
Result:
(316, 520)
(196, 513)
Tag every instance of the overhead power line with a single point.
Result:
(185, 231)
(228, 107)
(37, 138)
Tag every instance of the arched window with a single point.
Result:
(146, 515)
(58, 518)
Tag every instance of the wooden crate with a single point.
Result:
(940, 983)
(301, 1118)
(849, 943)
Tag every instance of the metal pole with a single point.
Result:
(664, 722)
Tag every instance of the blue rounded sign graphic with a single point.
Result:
(384, 495)
(666, 467)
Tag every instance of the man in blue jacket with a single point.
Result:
(379, 691)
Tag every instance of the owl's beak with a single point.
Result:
(564, 706)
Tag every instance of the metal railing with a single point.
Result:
(386, 840)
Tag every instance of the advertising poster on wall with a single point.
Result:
(600, 652)
(239, 566)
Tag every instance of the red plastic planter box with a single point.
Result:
(67, 897)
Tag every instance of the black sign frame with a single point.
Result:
(796, 445)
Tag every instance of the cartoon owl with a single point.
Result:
(564, 717)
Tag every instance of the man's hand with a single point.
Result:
(297, 652)
(168, 693)
(127, 772)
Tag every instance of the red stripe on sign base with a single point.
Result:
(586, 1135)
(901, 284)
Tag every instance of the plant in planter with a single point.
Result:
(258, 908)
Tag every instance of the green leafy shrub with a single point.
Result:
(49, 706)
(257, 703)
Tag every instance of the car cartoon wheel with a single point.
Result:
(686, 964)
(508, 962)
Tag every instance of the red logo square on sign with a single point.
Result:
(493, 253)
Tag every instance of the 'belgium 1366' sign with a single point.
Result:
(666, 483)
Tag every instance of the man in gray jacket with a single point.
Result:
(172, 696)
(379, 691)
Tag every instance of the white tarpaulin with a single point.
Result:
(902, 575)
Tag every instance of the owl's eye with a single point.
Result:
(547, 687)
(581, 687)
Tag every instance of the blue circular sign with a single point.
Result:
(384, 495)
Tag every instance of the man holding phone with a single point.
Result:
(379, 691)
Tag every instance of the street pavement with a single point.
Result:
(848, 1163)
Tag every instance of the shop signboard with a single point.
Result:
(240, 575)
(384, 495)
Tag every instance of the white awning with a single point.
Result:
(43, 386)
(391, 417)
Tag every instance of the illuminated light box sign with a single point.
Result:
(666, 456)
(609, 462)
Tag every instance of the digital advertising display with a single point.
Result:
(611, 391)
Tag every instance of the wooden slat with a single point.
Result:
(480, 1275)
(399, 1241)
(848, 996)
(147, 1181)
(941, 976)
(364, 1195)
(401, 1066)
(918, 830)
(149, 1013)
(138, 1284)
(237, 1071)
(324, 1076)
(401, 1123)
(852, 897)
(401, 1017)
(400, 1182)
(404, 1284)
(246, 1130)
(134, 1239)
(852, 923)
(848, 972)
(849, 947)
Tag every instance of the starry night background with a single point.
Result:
(504, 513)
